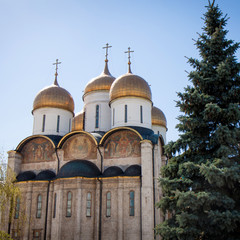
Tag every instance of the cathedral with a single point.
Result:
(91, 175)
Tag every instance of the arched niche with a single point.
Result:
(122, 143)
(79, 145)
(36, 149)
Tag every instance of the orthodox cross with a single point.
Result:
(56, 63)
(129, 57)
(107, 47)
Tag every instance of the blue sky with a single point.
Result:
(35, 33)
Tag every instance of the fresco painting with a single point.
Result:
(80, 147)
(37, 150)
(122, 144)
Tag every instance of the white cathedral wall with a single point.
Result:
(133, 112)
(161, 130)
(91, 100)
(51, 120)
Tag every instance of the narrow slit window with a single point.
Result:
(58, 123)
(55, 205)
(97, 117)
(17, 208)
(131, 203)
(43, 123)
(141, 114)
(89, 204)
(69, 204)
(113, 116)
(108, 203)
(39, 206)
(84, 118)
(125, 117)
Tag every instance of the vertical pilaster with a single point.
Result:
(120, 210)
(157, 166)
(77, 230)
(50, 211)
(147, 191)
(28, 207)
(97, 211)
(99, 156)
(60, 158)
(57, 221)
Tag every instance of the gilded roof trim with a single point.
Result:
(62, 141)
(132, 96)
(26, 140)
(107, 134)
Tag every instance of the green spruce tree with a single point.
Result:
(201, 182)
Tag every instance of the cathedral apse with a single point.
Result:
(37, 150)
(80, 147)
(122, 144)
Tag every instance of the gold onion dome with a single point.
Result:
(100, 83)
(158, 117)
(77, 122)
(130, 85)
(54, 97)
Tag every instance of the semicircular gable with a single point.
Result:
(107, 134)
(122, 144)
(64, 139)
(36, 148)
(80, 145)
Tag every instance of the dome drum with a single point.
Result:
(77, 122)
(52, 121)
(131, 111)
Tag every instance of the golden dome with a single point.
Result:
(130, 85)
(158, 117)
(55, 97)
(77, 122)
(100, 83)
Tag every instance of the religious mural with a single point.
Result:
(37, 150)
(80, 147)
(122, 144)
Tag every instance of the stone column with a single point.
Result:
(14, 161)
(147, 191)
(77, 230)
